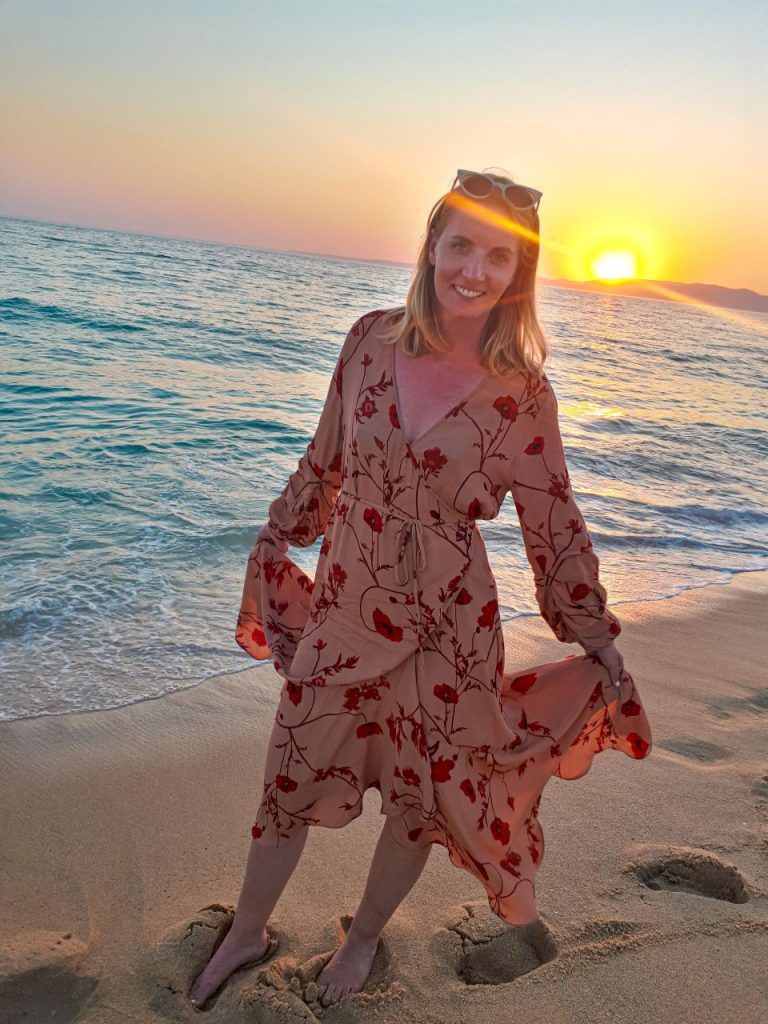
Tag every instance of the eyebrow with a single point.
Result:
(496, 248)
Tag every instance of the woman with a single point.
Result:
(393, 657)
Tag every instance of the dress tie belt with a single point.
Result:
(412, 557)
(411, 551)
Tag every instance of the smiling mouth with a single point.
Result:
(467, 293)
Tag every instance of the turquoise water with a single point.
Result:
(157, 392)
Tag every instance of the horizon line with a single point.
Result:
(348, 259)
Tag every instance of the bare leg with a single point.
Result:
(392, 874)
(266, 875)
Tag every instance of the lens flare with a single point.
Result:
(614, 265)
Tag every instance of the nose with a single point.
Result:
(474, 269)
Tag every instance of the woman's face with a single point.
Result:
(475, 262)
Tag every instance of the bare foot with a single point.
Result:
(347, 969)
(231, 954)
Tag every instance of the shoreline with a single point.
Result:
(122, 825)
(507, 624)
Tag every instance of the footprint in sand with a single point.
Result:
(379, 989)
(493, 953)
(42, 977)
(695, 872)
(755, 704)
(253, 992)
(760, 789)
(695, 750)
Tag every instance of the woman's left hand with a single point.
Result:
(610, 656)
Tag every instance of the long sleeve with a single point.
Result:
(568, 590)
(300, 514)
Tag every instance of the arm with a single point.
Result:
(568, 590)
(300, 514)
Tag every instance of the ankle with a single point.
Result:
(363, 935)
(247, 933)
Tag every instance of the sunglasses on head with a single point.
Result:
(480, 186)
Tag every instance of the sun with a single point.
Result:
(614, 265)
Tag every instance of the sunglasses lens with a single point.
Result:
(520, 197)
(477, 186)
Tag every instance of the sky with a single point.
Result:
(332, 126)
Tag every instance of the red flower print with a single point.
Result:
(446, 693)
(441, 770)
(474, 509)
(522, 684)
(368, 729)
(506, 407)
(509, 862)
(335, 464)
(463, 597)
(500, 831)
(318, 471)
(366, 408)
(541, 561)
(414, 834)
(559, 489)
(256, 831)
(393, 417)
(287, 785)
(614, 629)
(386, 627)
(410, 778)
(338, 575)
(352, 698)
(433, 460)
(536, 447)
(580, 591)
(372, 517)
(630, 708)
(468, 789)
(294, 691)
(258, 636)
(640, 746)
(520, 509)
(488, 616)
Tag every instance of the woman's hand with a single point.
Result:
(265, 533)
(610, 656)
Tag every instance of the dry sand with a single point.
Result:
(125, 834)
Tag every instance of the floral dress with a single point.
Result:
(392, 658)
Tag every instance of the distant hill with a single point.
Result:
(713, 294)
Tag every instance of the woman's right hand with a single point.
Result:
(265, 533)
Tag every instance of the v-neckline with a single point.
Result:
(440, 419)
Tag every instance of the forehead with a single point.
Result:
(488, 232)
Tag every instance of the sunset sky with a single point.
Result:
(333, 126)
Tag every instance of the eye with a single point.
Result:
(459, 244)
(501, 257)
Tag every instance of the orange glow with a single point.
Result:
(480, 212)
(614, 265)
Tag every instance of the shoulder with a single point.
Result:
(372, 327)
(376, 321)
(528, 390)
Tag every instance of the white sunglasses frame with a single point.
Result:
(533, 192)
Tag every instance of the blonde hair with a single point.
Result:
(512, 337)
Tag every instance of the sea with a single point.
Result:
(156, 393)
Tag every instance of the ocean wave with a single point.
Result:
(18, 308)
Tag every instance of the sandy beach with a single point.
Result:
(125, 834)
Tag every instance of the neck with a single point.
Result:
(461, 334)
